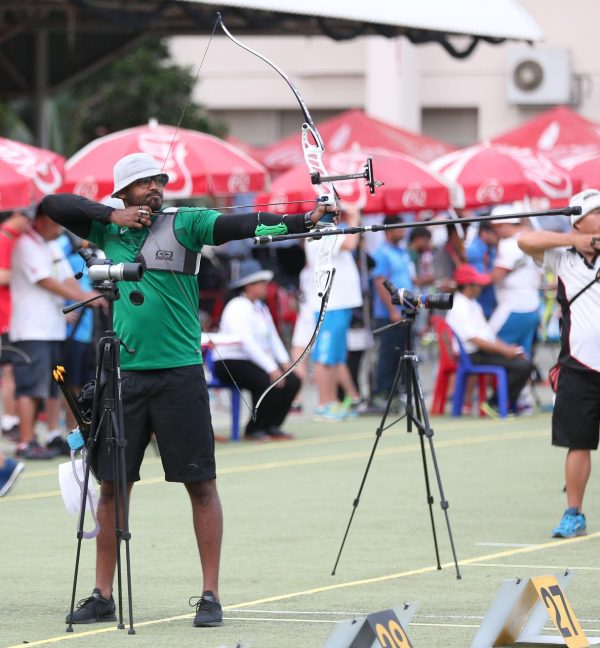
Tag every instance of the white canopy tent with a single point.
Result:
(502, 19)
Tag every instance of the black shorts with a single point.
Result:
(576, 415)
(173, 404)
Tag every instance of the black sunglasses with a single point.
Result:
(159, 180)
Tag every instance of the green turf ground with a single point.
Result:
(286, 506)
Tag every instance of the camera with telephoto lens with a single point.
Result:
(409, 301)
(103, 269)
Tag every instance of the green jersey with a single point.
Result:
(164, 330)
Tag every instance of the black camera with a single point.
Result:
(406, 299)
(102, 269)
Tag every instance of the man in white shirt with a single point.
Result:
(41, 279)
(574, 259)
(478, 339)
(258, 357)
(517, 281)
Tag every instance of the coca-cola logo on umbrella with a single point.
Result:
(415, 195)
(87, 187)
(28, 163)
(490, 191)
(552, 181)
(238, 181)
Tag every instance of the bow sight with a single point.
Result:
(316, 178)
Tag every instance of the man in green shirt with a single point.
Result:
(163, 386)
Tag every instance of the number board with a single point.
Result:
(563, 617)
(388, 629)
(383, 629)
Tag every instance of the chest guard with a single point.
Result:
(162, 251)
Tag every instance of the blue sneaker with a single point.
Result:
(571, 525)
(329, 412)
(9, 474)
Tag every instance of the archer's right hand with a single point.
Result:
(133, 217)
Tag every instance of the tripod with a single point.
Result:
(407, 376)
(107, 419)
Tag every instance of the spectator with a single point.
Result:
(574, 259)
(517, 280)
(16, 224)
(78, 349)
(448, 257)
(304, 326)
(420, 252)
(260, 357)
(392, 262)
(41, 280)
(481, 254)
(330, 352)
(468, 322)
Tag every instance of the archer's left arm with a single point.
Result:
(242, 226)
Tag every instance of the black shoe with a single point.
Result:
(279, 435)
(209, 613)
(256, 435)
(94, 609)
(33, 450)
(59, 446)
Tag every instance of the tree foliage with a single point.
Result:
(141, 85)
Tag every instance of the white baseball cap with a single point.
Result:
(504, 210)
(134, 167)
(588, 200)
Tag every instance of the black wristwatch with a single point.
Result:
(308, 224)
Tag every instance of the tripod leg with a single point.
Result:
(426, 431)
(80, 526)
(124, 532)
(95, 427)
(378, 434)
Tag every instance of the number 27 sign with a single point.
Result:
(561, 614)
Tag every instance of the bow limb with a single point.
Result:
(312, 149)
(323, 309)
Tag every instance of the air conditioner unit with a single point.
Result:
(539, 75)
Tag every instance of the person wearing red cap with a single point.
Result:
(574, 258)
(468, 322)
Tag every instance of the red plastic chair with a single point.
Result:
(448, 363)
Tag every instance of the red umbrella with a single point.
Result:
(491, 174)
(409, 185)
(558, 132)
(197, 163)
(27, 174)
(354, 127)
(584, 169)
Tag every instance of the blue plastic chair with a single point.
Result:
(465, 368)
(212, 382)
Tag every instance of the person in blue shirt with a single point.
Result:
(78, 353)
(392, 262)
(481, 254)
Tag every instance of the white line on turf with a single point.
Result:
(503, 544)
(520, 566)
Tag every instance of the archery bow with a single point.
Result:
(313, 148)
